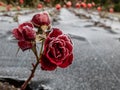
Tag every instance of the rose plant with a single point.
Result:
(56, 49)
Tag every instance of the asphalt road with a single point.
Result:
(96, 57)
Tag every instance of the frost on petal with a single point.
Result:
(18, 35)
(55, 32)
(24, 45)
(46, 64)
(67, 62)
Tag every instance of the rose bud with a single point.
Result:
(68, 4)
(83, 5)
(77, 5)
(58, 51)
(18, 8)
(111, 10)
(39, 6)
(99, 9)
(25, 35)
(41, 19)
(89, 5)
(58, 6)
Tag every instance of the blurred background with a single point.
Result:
(51, 3)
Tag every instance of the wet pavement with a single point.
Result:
(96, 56)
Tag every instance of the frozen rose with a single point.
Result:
(21, 1)
(77, 5)
(41, 19)
(39, 6)
(58, 6)
(24, 34)
(69, 4)
(83, 4)
(89, 5)
(99, 9)
(58, 51)
(111, 10)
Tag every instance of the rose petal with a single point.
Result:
(67, 62)
(24, 45)
(52, 58)
(69, 46)
(64, 37)
(41, 19)
(35, 20)
(18, 35)
(29, 24)
(29, 33)
(55, 32)
(46, 64)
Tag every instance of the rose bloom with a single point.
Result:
(77, 5)
(39, 6)
(83, 5)
(25, 35)
(89, 5)
(99, 9)
(41, 19)
(69, 4)
(58, 6)
(58, 51)
(111, 10)
(21, 1)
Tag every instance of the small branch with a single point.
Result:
(23, 87)
(41, 48)
(30, 77)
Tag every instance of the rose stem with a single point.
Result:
(34, 67)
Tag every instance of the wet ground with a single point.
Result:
(96, 54)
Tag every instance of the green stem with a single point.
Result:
(23, 87)
(41, 48)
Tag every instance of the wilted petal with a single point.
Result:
(24, 45)
(18, 35)
(26, 24)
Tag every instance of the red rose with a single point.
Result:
(111, 10)
(77, 5)
(58, 6)
(58, 51)
(99, 9)
(24, 34)
(83, 4)
(39, 6)
(41, 19)
(69, 4)
(21, 1)
(89, 5)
